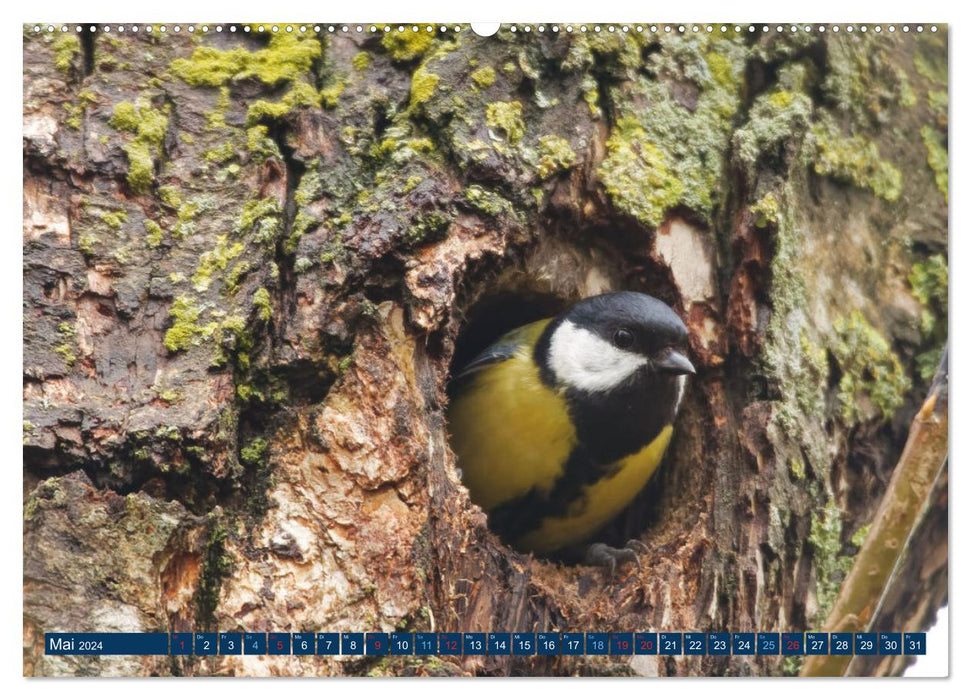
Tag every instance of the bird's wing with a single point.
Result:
(504, 348)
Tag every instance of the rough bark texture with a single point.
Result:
(249, 263)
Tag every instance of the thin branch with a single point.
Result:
(904, 504)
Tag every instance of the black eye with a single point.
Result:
(623, 338)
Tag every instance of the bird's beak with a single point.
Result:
(673, 362)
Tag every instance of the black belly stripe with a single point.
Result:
(609, 428)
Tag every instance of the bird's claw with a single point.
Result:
(600, 554)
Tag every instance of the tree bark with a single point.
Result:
(250, 262)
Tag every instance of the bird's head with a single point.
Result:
(605, 342)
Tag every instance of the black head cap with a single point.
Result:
(653, 324)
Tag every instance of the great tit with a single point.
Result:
(560, 423)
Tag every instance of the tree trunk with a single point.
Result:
(250, 261)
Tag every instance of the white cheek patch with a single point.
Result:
(585, 361)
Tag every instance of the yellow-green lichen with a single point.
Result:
(261, 300)
(114, 219)
(636, 175)
(221, 153)
(856, 160)
(262, 217)
(233, 277)
(186, 331)
(859, 537)
(330, 95)
(483, 77)
(259, 143)
(65, 46)
(286, 57)
(65, 349)
(775, 119)
(153, 233)
(423, 84)
(302, 94)
(361, 60)
(508, 118)
(149, 126)
(869, 369)
(555, 155)
(215, 260)
(406, 46)
(936, 145)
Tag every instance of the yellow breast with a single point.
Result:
(510, 432)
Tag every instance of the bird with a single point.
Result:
(560, 423)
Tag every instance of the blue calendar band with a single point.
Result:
(485, 644)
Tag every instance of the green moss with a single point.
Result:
(423, 84)
(254, 453)
(855, 160)
(936, 145)
(483, 77)
(361, 60)
(185, 331)
(869, 367)
(216, 566)
(408, 45)
(344, 365)
(286, 57)
(149, 126)
(486, 201)
(114, 219)
(261, 300)
(153, 237)
(508, 118)
(825, 534)
(928, 279)
(636, 175)
(937, 100)
(932, 65)
(555, 155)
(766, 209)
(428, 226)
(66, 46)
